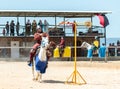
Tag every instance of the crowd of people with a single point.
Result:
(12, 29)
(31, 27)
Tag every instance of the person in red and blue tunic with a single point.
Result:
(37, 38)
(41, 61)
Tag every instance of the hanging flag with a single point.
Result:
(106, 21)
(103, 20)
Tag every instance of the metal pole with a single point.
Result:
(17, 19)
(105, 44)
(75, 38)
(64, 26)
(55, 22)
(105, 35)
(24, 30)
(75, 75)
(16, 24)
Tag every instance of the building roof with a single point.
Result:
(44, 13)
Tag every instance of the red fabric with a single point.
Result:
(73, 28)
(101, 19)
(31, 56)
(36, 45)
(37, 36)
(34, 48)
(62, 42)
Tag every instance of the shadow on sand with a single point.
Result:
(53, 81)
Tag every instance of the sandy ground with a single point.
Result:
(98, 75)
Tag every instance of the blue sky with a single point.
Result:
(70, 5)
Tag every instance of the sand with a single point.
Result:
(98, 75)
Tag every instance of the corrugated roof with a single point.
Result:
(44, 13)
